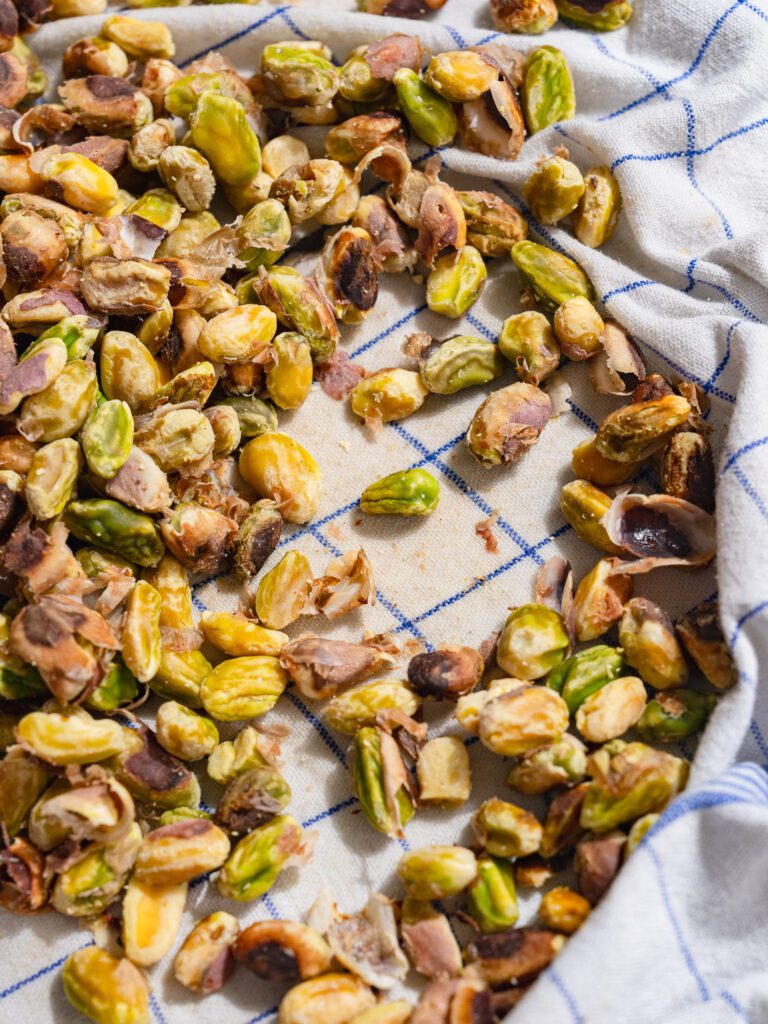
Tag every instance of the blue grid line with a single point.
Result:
(269, 903)
(581, 415)
(456, 36)
(726, 356)
(292, 25)
(690, 151)
(264, 1015)
(566, 995)
(464, 487)
(690, 120)
(498, 571)
(633, 287)
(647, 75)
(759, 739)
(23, 982)
(740, 452)
(488, 38)
(683, 946)
(749, 487)
(479, 326)
(329, 812)
(157, 1010)
(663, 86)
(389, 330)
(318, 726)
(277, 12)
(744, 619)
(730, 1000)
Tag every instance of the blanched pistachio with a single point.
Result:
(468, 707)
(461, 75)
(533, 642)
(540, 770)
(141, 640)
(193, 384)
(257, 860)
(181, 676)
(583, 674)
(16, 454)
(188, 175)
(298, 73)
(564, 910)
(71, 738)
(52, 477)
(411, 492)
(613, 709)
(429, 114)
(257, 538)
(193, 229)
(177, 853)
(185, 734)
(220, 130)
(205, 960)
(629, 780)
(598, 15)
(638, 832)
(578, 327)
(444, 773)
(554, 190)
(650, 645)
(493, 225)
(289, 376)
(387, 395)
(547, 89)
(105, 989)
(703, 639)
(456, 282)
(151, 919)
(634, 432)
(305, 189)
(300, 306)
(199, 537)
(80, 182)
(357, 82)
(584, 506)
(492, 899)
(147, 144)
(599, 208)
(226, 428)
(357, 707)
(242, 688)
(238, 636)
(176, 438)
(675, 715)
(22, 780)
(277, 467)
(107, 438)
(460, 362)
(254, 416)
(110, 525)
(238, 335)
(33, 374)
(283, 591)
(249, 749)
(507, 423)
(516, 722)
(264, 233)
(283, 152)
(139, 38)
(62, 408)
(589, 464)
(381, 781)
(436, 872)
(531, 17)
(600, 598)
(505, 830)
(283, 951)
(251, 799)
(334, 998)
(553, 278)
(527, 340)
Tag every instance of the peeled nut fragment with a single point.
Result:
(506, 830)
(320, 667)
(514, 723)
(151, 919)
(554, 190)
(579, 328)
(650, 645)
(508, 423)
(205, 959)
(703, 639)
(533, 642)
(561, 763)
(105, 988)
(443, 772)
(531, 17)
(333, 998)
(436, 872)
(360, 705)
(612, 710)
(447, 673)
(180, 852)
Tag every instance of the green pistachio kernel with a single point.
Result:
(599, 208)
(220, 130)
(456, 282)
(297, 74)
(359, 706)
(492, 898)
(411, 492)
(62, 408)
(241, 688)
(600, 17)
(547, 90)
(254, 864)
(459, 362)
(583, 674)
(299, 306)
(674, 715)
(552, 277)
(108, 524)
(79, 333)
(533, 642)
(528, 341)
(52, 477)
(118, 688)
(436, 872)
(554, 190)
(254, 415)
(506, 830)
(264, 233)
(22, 780)
(380, 782)
(194, 384)
(107, 438)
(429, 114)
(181, 676)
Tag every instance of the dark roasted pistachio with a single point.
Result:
(597, 863)
(107, 105)
(675, 715)
(514, 955)
(661, 531)
(205, 959)
(531, 17)
(688, 470)
(703, 639)
(447, 673)
(154, 777)
(283, 951)
(252, 799)
(350, 274)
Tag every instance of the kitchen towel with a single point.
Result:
(675, 103)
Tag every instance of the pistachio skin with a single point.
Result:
(410, 492)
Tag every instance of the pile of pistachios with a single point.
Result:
(146, 349)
